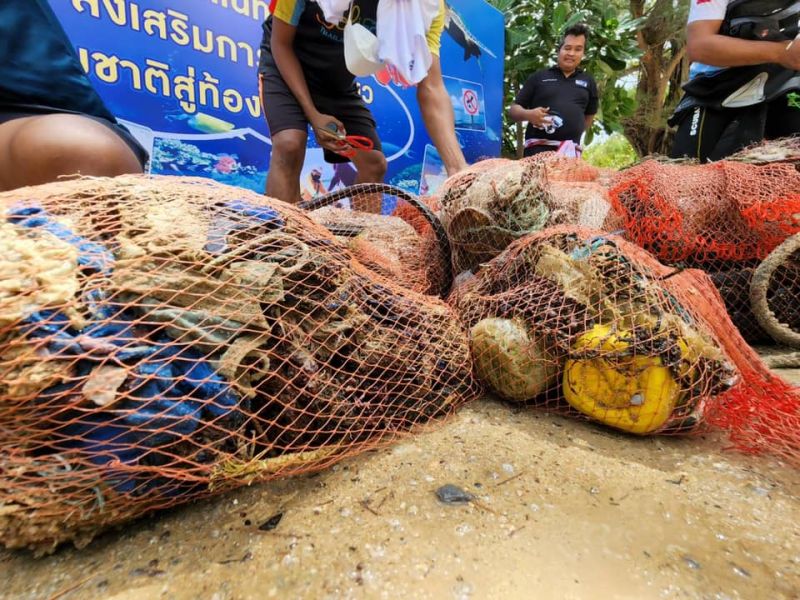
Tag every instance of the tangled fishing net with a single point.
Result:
(164, 339)
(586, 323)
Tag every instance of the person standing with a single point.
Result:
(558, 103)
(305, 81)
(744, 80)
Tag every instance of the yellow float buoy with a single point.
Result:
(633, 393)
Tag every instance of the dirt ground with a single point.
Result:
(563, 510)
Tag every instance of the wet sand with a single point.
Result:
(564, 510)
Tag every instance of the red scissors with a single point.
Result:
(357, 143)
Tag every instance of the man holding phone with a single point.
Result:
(305, 81)
(558, 103)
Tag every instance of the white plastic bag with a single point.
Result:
(402, 36)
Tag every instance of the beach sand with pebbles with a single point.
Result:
(562, 510)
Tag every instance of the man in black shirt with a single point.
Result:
(304, 80)
(558, 103)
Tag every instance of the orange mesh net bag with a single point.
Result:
(165, 339)
(586, 323)
(409, 246)
(497, 201)
(729, 210)
(489, 205)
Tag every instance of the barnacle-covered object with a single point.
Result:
(489, 205)
(579, 320)
(510, 361)
(162, 339)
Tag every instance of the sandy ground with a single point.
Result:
(564, 510)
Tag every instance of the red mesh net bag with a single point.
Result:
(586, 323)
(164, 339)
(722, 211)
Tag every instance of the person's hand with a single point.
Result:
(540, 117)
(790, 57)
(326, 137)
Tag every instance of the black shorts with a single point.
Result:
(13, 112)
(284, 112)
(712, 134)
(534, 150)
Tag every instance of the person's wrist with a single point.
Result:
(312, 114)
(781, 51)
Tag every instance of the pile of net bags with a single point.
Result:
(165, 339)
(724, 217)
(566, 316)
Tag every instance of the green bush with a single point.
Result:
(615, 153)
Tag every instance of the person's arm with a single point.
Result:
(440, 121)
(588, 120)
(282, 46)
(537, 116)
(706, 45)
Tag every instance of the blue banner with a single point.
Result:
(182, 76)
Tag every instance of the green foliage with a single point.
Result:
(614, 153)
(533, 33)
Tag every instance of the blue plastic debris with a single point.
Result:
(91, 255)
(167, 397)
(226, 223)
(171, 391)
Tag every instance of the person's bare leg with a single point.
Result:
(42, 148)
(371, 166)
(285, 165)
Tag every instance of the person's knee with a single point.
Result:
(50, 146)
(374, 166)
(288, 152)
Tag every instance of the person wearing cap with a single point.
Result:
(744, 79)
(304, 81)
(558, 103)
(52, 121)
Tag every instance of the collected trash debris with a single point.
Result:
(162, 339)
(409, 247)
(488, 206)
(575, 315)
(165, 339)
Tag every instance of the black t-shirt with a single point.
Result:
(318, 44)
(571, 98)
